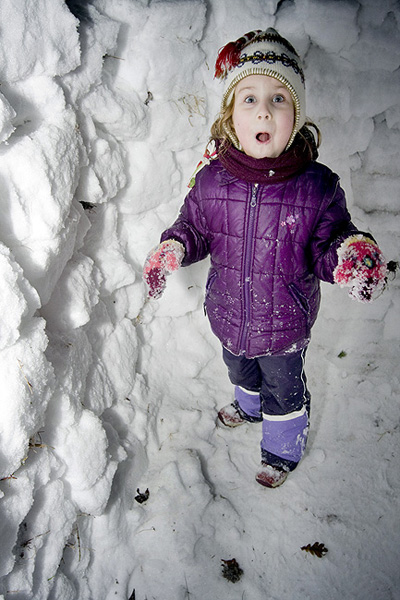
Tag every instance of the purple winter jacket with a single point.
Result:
(269, 245)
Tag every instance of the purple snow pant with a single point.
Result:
(273, 389)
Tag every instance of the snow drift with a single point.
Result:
(105, 109)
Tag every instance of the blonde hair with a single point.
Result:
(223, 125)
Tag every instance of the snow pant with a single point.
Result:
(273, 389)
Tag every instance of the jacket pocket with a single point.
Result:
(300, 298)
(211, 278)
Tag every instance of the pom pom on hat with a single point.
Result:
(229, 55)
(262, 53)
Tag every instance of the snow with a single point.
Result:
(102, 122)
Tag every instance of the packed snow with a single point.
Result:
(115, 480)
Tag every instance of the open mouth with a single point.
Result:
(262, 137)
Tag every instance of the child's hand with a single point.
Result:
(160, 262)
(362, 267)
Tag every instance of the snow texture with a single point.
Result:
(105, 110)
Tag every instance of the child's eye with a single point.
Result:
(278, 98)
(250, 99)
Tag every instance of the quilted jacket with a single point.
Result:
(270, 244)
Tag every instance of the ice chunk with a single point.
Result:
(122, 116)
(331, 24)
(375, 192)
(340, 138)
(373, 92)
(7, 113)
(75, 295)
(104, 247)
(115, 352)
(383, 39)
(39, 37)
(323, 95)
(382, 155)
(82, 443)
(24, 399)
(18, 299)
(38, 177)
(393, 117)
(99, 37)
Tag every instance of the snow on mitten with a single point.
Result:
(361, 267)
(160, 262)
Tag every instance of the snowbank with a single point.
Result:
(103, 117)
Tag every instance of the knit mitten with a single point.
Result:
(361, 267)
(160, 262)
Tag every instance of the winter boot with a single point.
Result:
(270, 476)
(230, 416)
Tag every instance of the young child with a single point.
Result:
(274, 222)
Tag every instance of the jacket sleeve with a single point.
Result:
(332, 228)
(190, 229)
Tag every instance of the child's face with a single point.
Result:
(263, 116)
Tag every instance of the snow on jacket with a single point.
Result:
(269, 245)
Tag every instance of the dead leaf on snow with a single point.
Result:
(317, 549)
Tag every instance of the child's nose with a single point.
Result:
(264, 112)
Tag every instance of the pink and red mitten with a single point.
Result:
(160, 262)
(361, 267)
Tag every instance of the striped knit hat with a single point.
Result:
(262, 53)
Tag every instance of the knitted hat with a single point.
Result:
(262, 53)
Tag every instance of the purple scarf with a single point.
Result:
(271, 170)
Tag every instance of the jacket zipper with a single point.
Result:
(247, 265)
